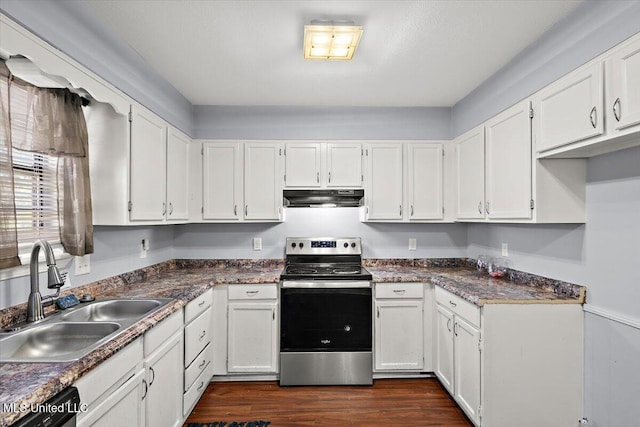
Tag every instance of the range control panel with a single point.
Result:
(323, 246)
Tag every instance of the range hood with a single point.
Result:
(323, 198)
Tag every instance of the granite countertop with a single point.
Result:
(185, 280)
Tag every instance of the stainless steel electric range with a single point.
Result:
(326, 313)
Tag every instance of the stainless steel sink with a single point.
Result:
(74, 333)
(112, 310)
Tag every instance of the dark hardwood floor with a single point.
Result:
(390, 402)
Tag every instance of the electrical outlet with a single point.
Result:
(144, 247)
(83, 264)
(257, 243)
(413, 244)
(505, 249)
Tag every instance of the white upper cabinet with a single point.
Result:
(177, 175)
(344, 165)
(222, 181)
(384, 183)
(425, 181)
(508, 164)
(262, 189)
(302, 165)
(623, 84)
(469, 165)
(570, 109)
(148, 165)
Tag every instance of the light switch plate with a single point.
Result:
(505, 249)
(413, 244)
(257, 243)
(83, 264)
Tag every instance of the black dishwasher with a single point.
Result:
(59, 411)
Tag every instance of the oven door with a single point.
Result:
(327, 316)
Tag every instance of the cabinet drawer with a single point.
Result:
(458, 306)
(197, 306)
(197, 335)
(158, 335)
(192, 395)
(247, 292)
(198, 365)
(399, 290)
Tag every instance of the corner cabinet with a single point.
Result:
(498, 360)
(138, 167)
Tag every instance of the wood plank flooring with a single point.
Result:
(390, 402)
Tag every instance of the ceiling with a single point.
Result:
(249, 52)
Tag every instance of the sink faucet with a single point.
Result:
(36, 303)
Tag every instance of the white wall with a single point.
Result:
(378, 240)
(117, 250)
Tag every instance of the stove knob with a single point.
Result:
(346, 245)
(301, 245)
(293, 245)
(353, 245)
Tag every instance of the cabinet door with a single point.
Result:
(444, 347)
(148, 166)
(123, 407)
(508, 164)
(177, 175)
(165, 371)
(467, 367)
(384, 183)
(469, 160)
(302, 165)
(571, 109)
(425, 183)
(252, 339)
(344, 165)
(262, 190)
(399, 335)
(222, 176)
(625, 86)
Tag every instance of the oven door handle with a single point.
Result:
(319, 284)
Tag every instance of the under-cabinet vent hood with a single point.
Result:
(323, 198)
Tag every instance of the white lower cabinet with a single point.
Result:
(511, 364)
(252, 341)
(399, 327)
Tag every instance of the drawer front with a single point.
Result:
(399, 290)
(198, 387)
(198, 366)
(249, 292)
(197, 335)
(468, 311)
(197, 306)
(158, 335)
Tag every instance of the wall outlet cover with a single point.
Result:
(505, 249)
(83, 264)
(257, 243)
(413, 244)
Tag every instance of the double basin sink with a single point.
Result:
(73, 333)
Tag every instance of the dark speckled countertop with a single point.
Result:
(184, 280)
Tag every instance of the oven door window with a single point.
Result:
(325, 319)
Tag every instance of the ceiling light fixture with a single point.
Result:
(331, 40)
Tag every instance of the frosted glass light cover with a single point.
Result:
(331, 41)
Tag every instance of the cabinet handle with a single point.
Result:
(251, 293)
(200, 386)
(400, 210)
(378, 312)
(246, 210)
(235, 210)
(486, 208)
(153, 376)
(593, 117)
(164, 208)
(170, 208)
(449, 325)
(616, 109)
(202, 335)
(480, 208)
(329, 177)
(146, 389)
(453, 304)
(201, 303)
(200, 366)
(411, 210)
(399, 291)
(455, 329)
(318, 177)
